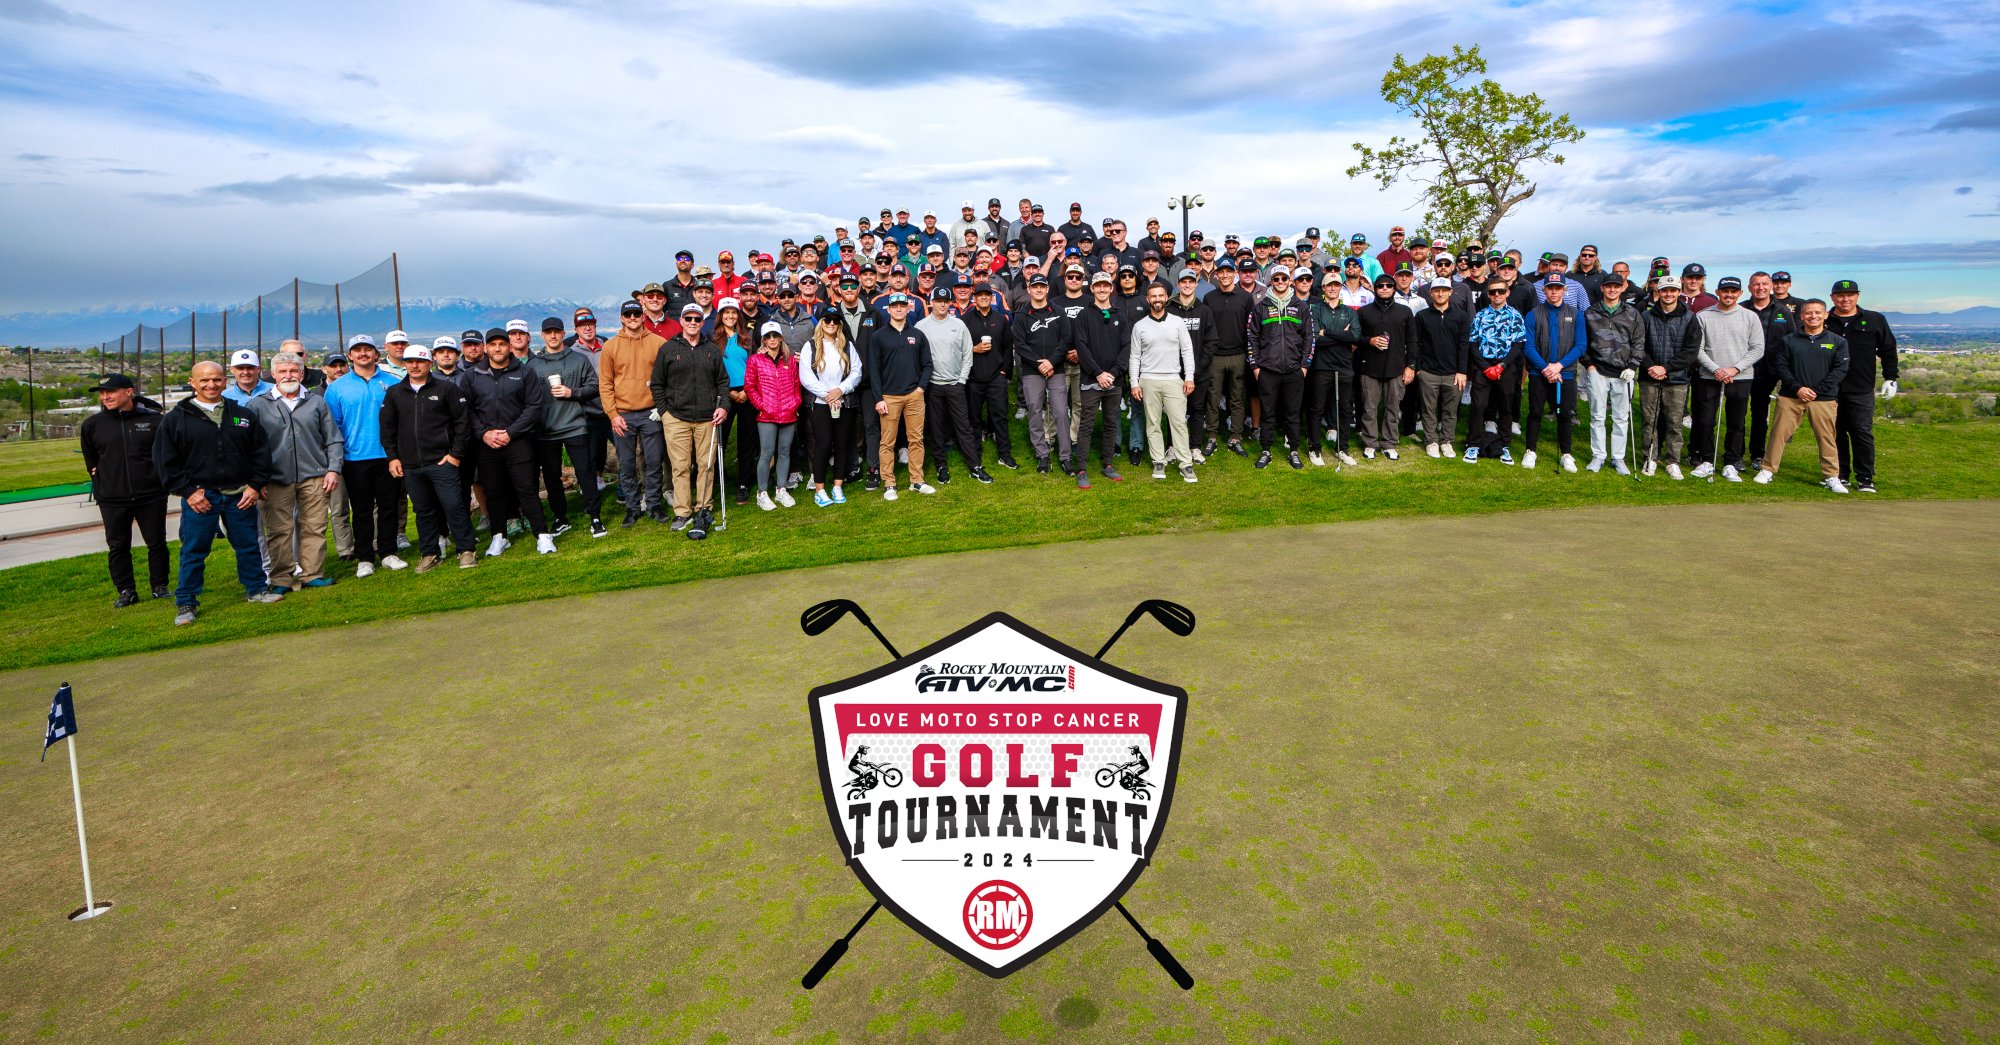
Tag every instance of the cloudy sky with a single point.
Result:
(199, 153)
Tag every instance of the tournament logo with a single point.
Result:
(998, 790)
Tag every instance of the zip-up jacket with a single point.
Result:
(511, 400)
(797, 326)
(356, 403)
(191, 452)
(1499, 336)
(861, 324)
(1615, 339)
(1098, 336)
(1161, 348)
(899, 359)
(1231, 312)
(303, 440)
(1733, 338)
(1201, 330)
(118, 454)
(625, 372)
(1335, 330)
(1779, 317)
(991, 364)
(1443, 342)
(1383, 317)
(1557, 336)
(690, 382)
(421, 428)
(1277, 336)
(1816, 362)
(565, 418)
(1671, 341)
(1040, 334)
(1868, 339)
(773, 387)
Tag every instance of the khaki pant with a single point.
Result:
(1163, 396)
(1821, 414)
(343, 529)
(290, 507)
(903, 410)
(691, 446)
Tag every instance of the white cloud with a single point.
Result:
(832, 136)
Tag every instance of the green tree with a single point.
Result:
(1477, 145)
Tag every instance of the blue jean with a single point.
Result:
(198, 532)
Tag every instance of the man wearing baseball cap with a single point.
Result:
(1672, 337)
(1732, 342)
(1693, 280)
(624, 388)
(1869, 341)
(653, 299)
(1395, 253)
(564, 426)
(507, 403)
(426, 428)
(1811, 364)
(246, 378)
(1381, 361)
(900, 358)
(1357, 247)
(393, 344)
(690, 384)
(374, 493)
(586, 341)
(1558, 337)
(118, 454)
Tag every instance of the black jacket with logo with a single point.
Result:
(1868, 339)
(1819, 363)
(994, 363)
(1277, 337)
(1200, 322)
(1040, 334)
(422, 428)
(1099, 336)
(899, 359)
(118, 454)
(191, 452)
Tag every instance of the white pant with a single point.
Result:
(1609, 397)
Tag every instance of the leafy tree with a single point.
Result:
(1477, 145)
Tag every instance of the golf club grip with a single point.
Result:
(826, 963)
(1167, 962)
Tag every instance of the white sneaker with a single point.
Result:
(1687, 421)
(394, 562)
(1492, 429)
(784, 498)
(1517, 428)
(1622, 469)
(1392, 454)
(1430, 449)
(500, 544)
(1198, 458)
(903, 456)
(1833, 483)
(1649, 468)
(545, 544)
(1445, 450)
(1569, 464)
(366, 569)
(924, 488)
(1674, 472)
(1345, 458)
(1528, 459)
(1368, 452)
(1762, 478)
(764, 502)
(1316, 459)
(1596, 464)
(888, 493)
(1730, 473)
(1703, 470)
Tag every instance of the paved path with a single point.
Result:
(57, 528)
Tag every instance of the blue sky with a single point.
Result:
(195, 154)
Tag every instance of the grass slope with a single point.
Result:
(1707, 773)
(60, 611)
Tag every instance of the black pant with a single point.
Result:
(1709, 398)
(599, 428)
(947, 413)
(1197, 408)
(1541, 396)
(1510, 404)
(831, 436)
(548, 457)
(1329, 408)
(1413, 411)
(1489, 403)
(435, 494)
(376, 499)
(987, 401)
(1097, 404)
(1762, 388)
(1854, 434)
(1228, 377)
(509, 475)
(1282, 395)
(742, 420)
(151, 518)
(869, 429)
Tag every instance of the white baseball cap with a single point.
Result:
(771, 328)
(243, 357)
(1440, 284)
(394, 336)
(517, 324)
(445, 341)
(1302, 272)
(417, 352)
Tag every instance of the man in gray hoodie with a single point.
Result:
(306, 454)
(571, 376)
(947, 405)
(1732, 343)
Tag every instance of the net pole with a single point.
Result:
(396, 274)
(295, 313)
(339, 326)
(31, 392)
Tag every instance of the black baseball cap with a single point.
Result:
(1781, 276)
(496, 334)
(994, 202)
(1692, 269)
(630, 307)
(551, 323)
(1612, 279)
(112, 383)
(941, 294)
(1038, 280)
(1846, 286)
(1729, 283)
(1555, 279)
(1384, 280)
(334, 359)
(474, 337)
(1312, 232)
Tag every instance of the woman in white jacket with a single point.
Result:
(830, 370)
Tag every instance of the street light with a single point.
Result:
(1186, 205)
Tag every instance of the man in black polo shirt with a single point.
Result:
(1869, 340)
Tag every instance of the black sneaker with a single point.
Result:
(1208, 448)
(1072, 469)
(160, 591)
(631, 517)
(982, 475)
(1866, 486)
(680, 522)
(562, 527)
(1042, 465)
(1132, 455)
(126, 598)
(943, 475)
(1264, 459)
(699, 524)
(1293, 459)
(660, 514)
(597, 527)
(742, 495)
(854, 474)
(1236, 447)
(1008, 462)
(874, 482)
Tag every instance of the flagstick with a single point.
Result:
(90, 908)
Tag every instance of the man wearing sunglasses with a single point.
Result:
(1278, 351)
(1499, 338)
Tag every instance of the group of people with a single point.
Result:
(850, 359)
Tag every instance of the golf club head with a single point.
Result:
(821, 616)
(1172, 615)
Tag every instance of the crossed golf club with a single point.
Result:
(1172, 615)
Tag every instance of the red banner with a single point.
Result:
(999, 718)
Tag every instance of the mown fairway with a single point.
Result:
(1721, 773)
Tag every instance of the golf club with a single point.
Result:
(1172, 616)
(820, 616)
(721, 486)
(832, 956)
(1157, 949)
(1631, 406)
(1559, 415)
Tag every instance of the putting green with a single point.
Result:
(1706, 772)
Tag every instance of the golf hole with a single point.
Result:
(84, 914)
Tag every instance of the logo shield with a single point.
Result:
(998, 790)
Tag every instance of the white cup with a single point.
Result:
(555, 380)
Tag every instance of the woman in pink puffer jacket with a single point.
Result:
(771, 381)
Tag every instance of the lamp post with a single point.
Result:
(1186, 205)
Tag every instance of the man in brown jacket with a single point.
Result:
(624, 386)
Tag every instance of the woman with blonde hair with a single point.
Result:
(830, 370)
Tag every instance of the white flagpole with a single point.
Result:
(90, 908)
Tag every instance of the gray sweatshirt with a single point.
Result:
(1733, 338)
(951, 349)
(1161, 348)
(304, 440)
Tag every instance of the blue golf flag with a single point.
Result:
(62, 719)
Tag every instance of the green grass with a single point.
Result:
(60, 611)
(1706, 773)
(26, 464)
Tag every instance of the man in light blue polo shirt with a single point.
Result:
(356, 404)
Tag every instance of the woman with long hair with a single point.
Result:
(830, 372)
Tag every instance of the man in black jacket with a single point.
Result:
(1869, 339)
(992, 349)
(425, 429)
(1278, 350)
(1381, 361)
(900, 358)
(506, 403)
(1335, 328)
(1098, 336)
(1440, 355)
(1811, 364)
(210, 453)
(1228, 370)
(1040, 332)
(1201, 327)
(118, 453)
(691, 391)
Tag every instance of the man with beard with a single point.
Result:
(1381, 361)
(1278, 350)
(992, 348)
(1162, 368)
(1228, 370)
(306, 447)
